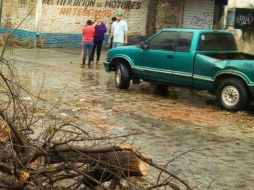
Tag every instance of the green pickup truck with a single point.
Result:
(200, 59)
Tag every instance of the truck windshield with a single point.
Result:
(217, 42)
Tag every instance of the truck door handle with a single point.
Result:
(170, 56)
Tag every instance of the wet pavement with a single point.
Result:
(218, 145)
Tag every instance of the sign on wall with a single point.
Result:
(93, 3)
(91, 7)
(69, 16)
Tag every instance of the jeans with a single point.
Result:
(87, 48)
(97, 45)
(117, 44)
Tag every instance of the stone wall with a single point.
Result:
(151, 17)
(169, 14)
(164, 14)
(244, 39)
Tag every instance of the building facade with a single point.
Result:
(58, 23)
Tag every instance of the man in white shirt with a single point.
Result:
(119, 31)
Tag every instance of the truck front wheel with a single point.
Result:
(122, 76)
(232, 94)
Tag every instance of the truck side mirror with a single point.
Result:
(143, 45)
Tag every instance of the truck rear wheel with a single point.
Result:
(122, 76)
(232, 94)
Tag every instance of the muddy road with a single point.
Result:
(170, 124)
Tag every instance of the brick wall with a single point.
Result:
(70, 19)
(20, 37)
(57, 23)
(15, 11)
(13, 14)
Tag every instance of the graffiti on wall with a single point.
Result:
(202, 21)
(244, 20)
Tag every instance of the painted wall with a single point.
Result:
(244, 38)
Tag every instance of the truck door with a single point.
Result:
(183, 59)
(156, 61)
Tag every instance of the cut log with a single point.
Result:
(103, 164)
(111, 165)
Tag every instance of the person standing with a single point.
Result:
(87, 45)
(113, 19)
(100, 30)
(119, 32)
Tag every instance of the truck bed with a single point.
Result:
(230, 56)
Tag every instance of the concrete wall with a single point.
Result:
(244, 38)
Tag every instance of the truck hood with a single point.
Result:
(124, 51)
(124, 48)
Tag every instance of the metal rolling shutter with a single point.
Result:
(198, 14)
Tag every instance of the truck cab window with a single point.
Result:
(183, 43)
(217, 42)
(163, 41)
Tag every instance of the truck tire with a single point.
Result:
(232, 94)
(122, 76)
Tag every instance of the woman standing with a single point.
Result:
(100, 30)
(87, 45)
